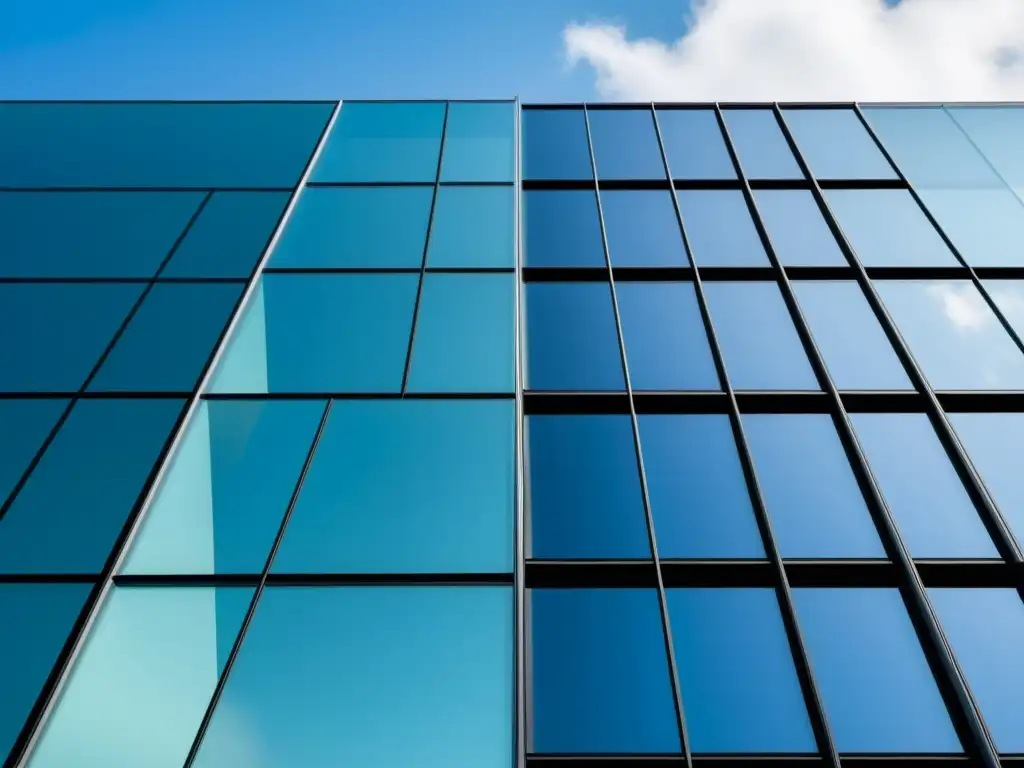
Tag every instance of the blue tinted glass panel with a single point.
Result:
(1008, 296)
(856, 351)
(736, 673)
(954, 335)
(600, 678)
(663, 332)
(694, 145)
(720, 230)
(383, 142)
(878, 691)
(299, 334)
(760, 144)
(168, 342)
(465, 334)
(226, 490)
(572, 341)
(642, 229)
(435, 497)
(835, 144)
(809, 488)
(356, 227)
(584, 496)
(996, 131)
(982, 224)
(697, 491)
(150, 663)
(24, 425)
(325, 673)
(555, 144)
(759, 343)
(796, 228)
(625, 144)
(472, 227)
(77, 499)
(936, 517)
(562, 229)
(478, 142)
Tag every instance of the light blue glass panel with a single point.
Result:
(227, 488)
(1008, 296)
(796, 228)
(434, 496)
(24, 425)
(478, 143)
(472, 227)
(835, 144)
(720, 230)
(694, 145)
(996, 131)
(148, 669)
(984, 225)
(562, 229)
(555, 144)
(642, 229)
(328, 676)
(625, 144)
(760, 144)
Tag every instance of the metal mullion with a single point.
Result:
(960, 702)
(523, 701)
(684, 737)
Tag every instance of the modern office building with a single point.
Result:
(481, 435)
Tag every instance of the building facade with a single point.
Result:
(485, 434)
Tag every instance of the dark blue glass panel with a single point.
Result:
(55, 333)
(936, 517)
(796, 228)
(157, 144)
(835, 144)
(698, 494)
(228, 238)
(479, 142)
(71, 510)
(642, 229)
(600, 678)
(720, 230)
(226, 490)
(878, 691)
(374, 142)
(90, 234)
(760, 144)
(572, 340)
(982, 224)
(555, 144)
(809, 488)
(326, 673)
(585, 499)
(472, 227)
(24, 425)
(170, 339)
(736, 672)
(759, 343)
(694, 145)
(562, 229)
(625, 144)
(663, 332)
(996, 131)
(435, 496)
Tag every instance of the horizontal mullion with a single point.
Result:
(443, 183)
(753, 761)
(386, 270)
(330, 395)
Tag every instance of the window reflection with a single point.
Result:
(760, 144)
(835, 144)
(694, 145)
(555, 144)
(796, 228)
(562, 229)
(642, 229)
(472, 227)
(478, 142)
(720, 230)
(625, 144)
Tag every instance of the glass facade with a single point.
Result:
(488, 435)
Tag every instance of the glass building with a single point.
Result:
(489, 435)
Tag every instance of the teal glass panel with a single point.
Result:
(375, 142)
(720, 230)
(465, 335)
(24, 425)
(227, 487)
(984, 225)
(835, 144)
(694, 145)
(760, 144)
(562, 228)
(625, 144)
(435, 496)
(472, 227)
(141, 684)
(479, 142)
(796, 228)
(555, 144)
(356, 227)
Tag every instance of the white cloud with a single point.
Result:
(813, 50)
(963, 305)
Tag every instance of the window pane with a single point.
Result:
(297, 335)
(373, 142)
(759, 343)
(435, 496)
(356, 227)
(584, 490)
(809, 488)
(856, 351)
(642, 229)
(445, 699)
(572, 341)
(694, 144)
(760, 145)
(796, 228)
(151, 660)
(666, 344)
(1008, 296)
(555, 144)
(72, 509)
(956, 338)
(170, 339)
(226, 490)
(984, 225)
(996, 131)
(472, 227)
(600, 679)
(478, 143)
(562, 229)
(697, 491)
(625, 144)
(720, 230)
(835, 145)
(465, 334)
(24, 425)
(736, 672)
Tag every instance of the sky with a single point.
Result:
(540, 50)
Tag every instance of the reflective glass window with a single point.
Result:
(796, 228)
(562, 229)
(720, 230)
(642, 229)
(472, 227)
(555, 144)
(694, 145)
(24, 425)
(760, 144)
(995, 131)
(835, 144)
(1008, 296)
(984, 225)
(478, 142)
(625, 144)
